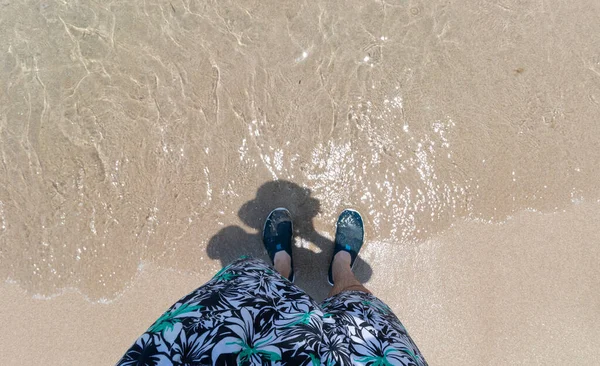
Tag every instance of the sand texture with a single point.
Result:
(143, 143)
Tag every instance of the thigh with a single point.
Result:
(360, 328)
(247, 314)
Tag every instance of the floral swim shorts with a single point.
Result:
(248, 314)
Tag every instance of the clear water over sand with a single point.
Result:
(138, 138)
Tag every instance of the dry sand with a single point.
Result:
(142, 144)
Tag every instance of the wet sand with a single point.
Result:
(142, 144)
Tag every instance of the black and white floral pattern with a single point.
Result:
(250, 315)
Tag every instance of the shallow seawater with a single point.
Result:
(163, 132)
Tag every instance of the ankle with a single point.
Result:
(283, 263)
(342, 260)
(342, 271)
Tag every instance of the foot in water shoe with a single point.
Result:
(277, 235)
(349, 236)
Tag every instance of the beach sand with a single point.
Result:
(143, 143)
(510, 293)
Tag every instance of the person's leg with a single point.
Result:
(283, 263)
(245, 306)
(360, 328)
(357, 326)
(278, 241)
(344, 279)
(349, 238)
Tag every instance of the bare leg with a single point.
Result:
(283, 263)
(343, 278)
